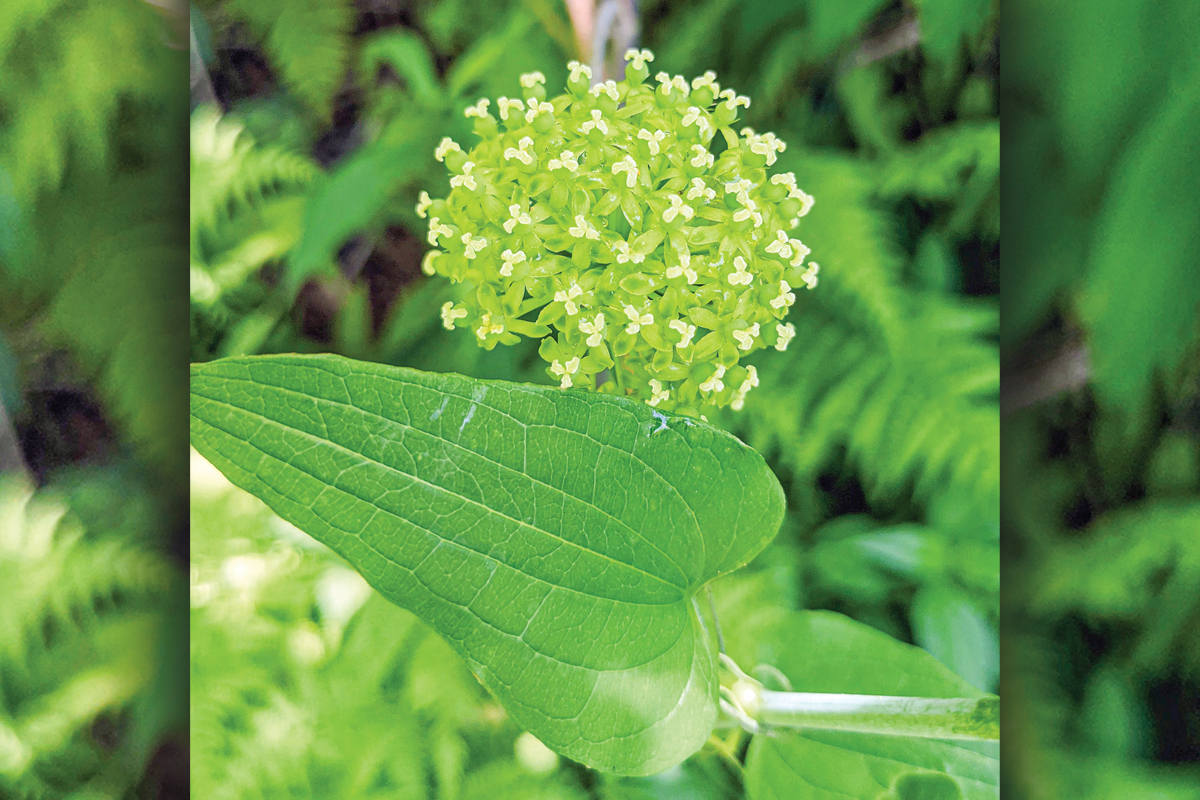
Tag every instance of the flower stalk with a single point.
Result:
(748, 704)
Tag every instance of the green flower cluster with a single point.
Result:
(610, 217)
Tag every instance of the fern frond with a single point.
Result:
(935, 167)
(232, 177)
(65, 68)
(904, 383)
(923, 416)
(247, 211)
(66, 581)
(956, 165)
(76, 639)
(1118, 572)
(308, 42)
(859, 270)
(270, 727)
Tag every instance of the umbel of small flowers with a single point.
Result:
(649, 256)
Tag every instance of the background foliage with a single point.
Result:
(1102, 440)
(91, 400)
(882, 420)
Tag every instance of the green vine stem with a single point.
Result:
(751, 706)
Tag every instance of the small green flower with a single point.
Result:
(604, 222)
(450, 313)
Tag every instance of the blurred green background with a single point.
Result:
(93, 413)
(312, 134)
(1101, 396)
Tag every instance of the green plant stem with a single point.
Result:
(617, 375)
(971, 719)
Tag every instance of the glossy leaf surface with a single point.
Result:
(554, 538)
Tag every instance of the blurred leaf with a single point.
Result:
(202, 32)
(1044, 262)
(1117, 571)
(453, 25)
(493, 63)
(750, 607)
(309, 44)
(354, 322)
(946, 23)
(114, 258)
(858, 659)
(977, 100)
(276, 121)
(876, 116)
(832, 22)
(691, 38)
(1172, 471)
(704, 776)
(923, 786)
(351, 199)
(760, 18)
(1106, 778)
(1112, 717)
(1106, 88)
(859, 559)
(935, 267)
(779, 68)
(1138, 327)
(526, 606)
(409, 58)
(946, 623)
(503, 781)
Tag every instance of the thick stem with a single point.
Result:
(958, 718)
(748, 704)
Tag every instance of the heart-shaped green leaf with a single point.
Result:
(857, 659)
(555, 538)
